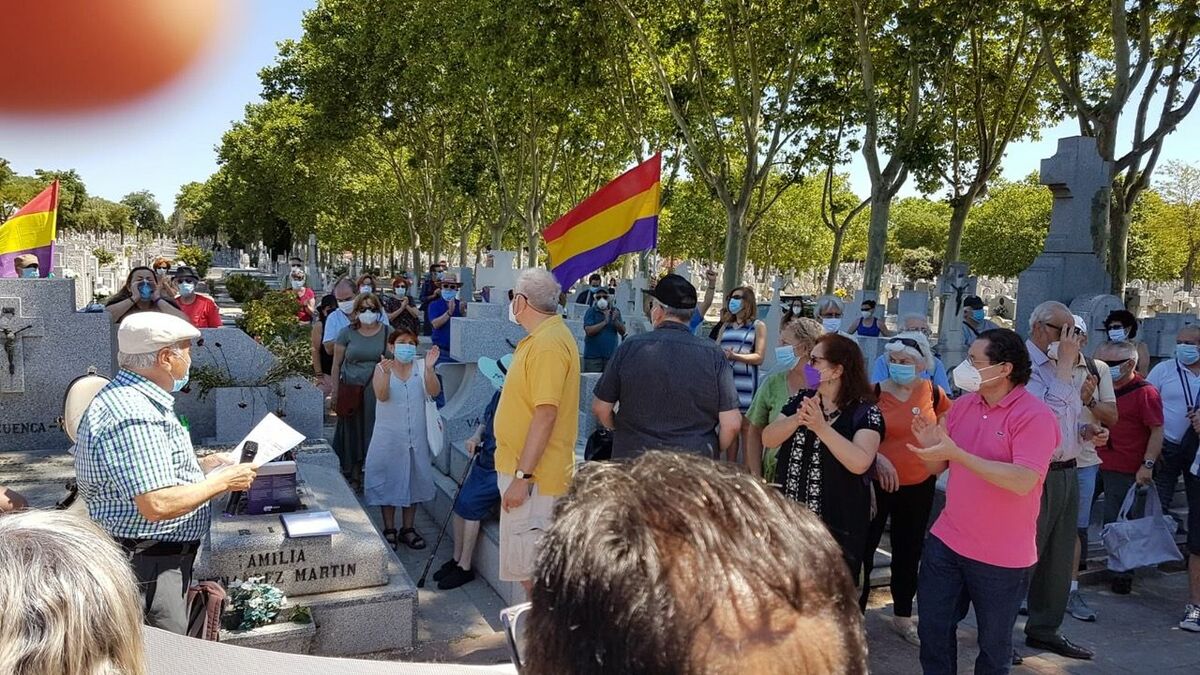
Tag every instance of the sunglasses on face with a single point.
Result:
(452, 287)
(1058, 329)
(1114, 363)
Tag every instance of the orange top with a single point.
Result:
(897, 418)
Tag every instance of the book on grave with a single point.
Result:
(309, 524)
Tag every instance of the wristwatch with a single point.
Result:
(522, 475)
(1148, 463)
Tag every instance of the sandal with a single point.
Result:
(389, 535)
(411, 539)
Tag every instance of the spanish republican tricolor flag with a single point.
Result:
(620, 217)
(31, 230)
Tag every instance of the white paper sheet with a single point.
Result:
(309, 524)
(274, 437)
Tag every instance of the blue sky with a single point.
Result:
(168, 139)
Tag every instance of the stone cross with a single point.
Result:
(771, 318)
(1079, 180)
(14, 328)
(501, 276)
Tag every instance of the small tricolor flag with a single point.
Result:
(620, 217)
(30, 230)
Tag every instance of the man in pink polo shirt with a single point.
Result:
(997, 443)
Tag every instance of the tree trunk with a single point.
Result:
(1189, 271)
(835, 259)
(958, 220)
(1118, 259)
(881, 204)
(462, 247)
(735, 251)
(417, 267)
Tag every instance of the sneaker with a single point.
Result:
(1079, 609)
(457, 577)
(445, 569)
(1122, 585)
(907, 629)
(1191, 619)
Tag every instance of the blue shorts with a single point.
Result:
(479, 494)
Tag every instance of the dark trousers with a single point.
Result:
(1050, 585)
(594, 365)
(948, 586)
(163, 581)
(1175, 461)
(908, 508)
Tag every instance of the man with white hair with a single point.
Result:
(1054, 345)
(137, 470)
(536, 424)
(913, 323)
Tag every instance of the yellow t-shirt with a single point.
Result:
(545, 371)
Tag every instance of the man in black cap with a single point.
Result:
(974, 319)
(674, 388)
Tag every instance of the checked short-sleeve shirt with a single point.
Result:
(130, 442)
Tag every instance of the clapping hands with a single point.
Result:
(936, 444)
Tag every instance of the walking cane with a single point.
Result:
(433, 554)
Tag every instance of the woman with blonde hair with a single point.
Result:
(796, 341)
(744, 339)
(69, 597)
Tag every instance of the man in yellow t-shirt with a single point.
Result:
(537, 423)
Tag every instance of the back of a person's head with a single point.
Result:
(68, 599)
(678, 564)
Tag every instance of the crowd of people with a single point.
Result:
(748, 503)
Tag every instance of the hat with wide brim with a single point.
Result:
(495, 370)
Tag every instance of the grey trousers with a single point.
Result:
(163, 581)
(1056, 535)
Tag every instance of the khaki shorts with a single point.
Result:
(521, 531)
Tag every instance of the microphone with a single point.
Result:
(249, 450)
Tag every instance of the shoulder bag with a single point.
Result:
(435, 428)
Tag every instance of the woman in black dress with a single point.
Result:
(828, 435)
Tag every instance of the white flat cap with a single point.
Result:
(1080, 323)
(147, 332)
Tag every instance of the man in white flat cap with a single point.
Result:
(137, 470)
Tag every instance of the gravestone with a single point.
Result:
(1068, 268)
(1159, 331)
(953, 287)
(911, 302)
(771, 318)
(501, 277)
(45, 345)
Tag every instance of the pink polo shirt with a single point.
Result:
(985, 522)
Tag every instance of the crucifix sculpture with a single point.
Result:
(14, 329)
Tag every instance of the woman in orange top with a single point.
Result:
(903, 487)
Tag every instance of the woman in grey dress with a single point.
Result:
(358, 348)
(398, 469)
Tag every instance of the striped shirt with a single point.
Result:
(131, 443)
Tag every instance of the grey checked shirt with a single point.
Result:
(130, 442)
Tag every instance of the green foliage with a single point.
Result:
(253, 603)
(271, 316)
(199, 259)
(104, 257)
(244, 288)
(147, 215)
(920, 264)
(1007, 230)
(917, 222)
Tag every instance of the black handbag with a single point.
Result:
(599, 446)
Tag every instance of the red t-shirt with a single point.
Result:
(202, 311)
(304, 296)
(1139, 409)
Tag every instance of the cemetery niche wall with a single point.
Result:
(44, 345)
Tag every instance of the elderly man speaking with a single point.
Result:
(136, 468)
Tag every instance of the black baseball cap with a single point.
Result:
(674, 291)
(973, 301)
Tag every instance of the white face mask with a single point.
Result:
(366, 289)
(866, 314)
(832, 324)
(297, 284)
(1117, 334)
(512, 312)
(969, 378)
(347, 306)
(1052, 350)
(368, 318)
(602, 304)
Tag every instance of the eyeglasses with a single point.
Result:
(812, 360)
(1058, 329)
(452, 287)
(1115, 363)
(907, 342)
(513, 619)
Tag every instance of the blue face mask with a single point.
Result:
(1115, 371)
(735, 305)
(1187, 354)
(30, 273)
(902, 373)
(145, 289)
(978, 314)
(786, 357)
(405, 353)
(178, 385)
(449, 294)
